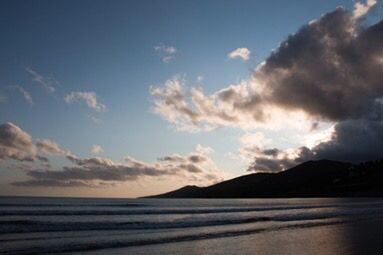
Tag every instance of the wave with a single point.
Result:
(121, 243)
(34, 211)
(71, 205)
(27, 226)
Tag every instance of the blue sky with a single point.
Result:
(108, 47)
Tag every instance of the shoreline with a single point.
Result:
(354, 238)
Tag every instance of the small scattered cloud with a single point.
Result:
(361, 9)
(17, 147)
(167, 53)
(200, 78)
(90, 98)
(98, 172)
(49, 83)
(241, 53)
(96, 120)
(25, 94)
(96, 149)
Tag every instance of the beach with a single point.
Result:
(362, 237)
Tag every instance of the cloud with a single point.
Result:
(196, 167)
(251, 144)
(173, 103)
(361, 9)
(26, 95)
(96, 149)
(48, 147)
(16, 144)
(342, 85)
(242, 53)
(275, 160)
(254, 138)
(90, 98)
(49, 83)
(170, 102)
(235, 106)
(354, 140)
(333, 61)
(329, 71)
(351, 141)
(167, 53)
(330, 62)
(51, 183)
(96, 120)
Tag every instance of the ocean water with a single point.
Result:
(163, 226)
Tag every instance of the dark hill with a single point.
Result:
(323, 178)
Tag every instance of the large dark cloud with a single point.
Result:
(331, 70)
(274, 160)
(353, 141)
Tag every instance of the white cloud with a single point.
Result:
(242, 53)
(49, 83)
(49, 147)
(235, 106)
(96, 149)
(254, 138)
(90, 98)
(204, 150)
(318, 136)
(25, 94)
(251, 144)
(167, 53)
(361, 9)
(96, 120)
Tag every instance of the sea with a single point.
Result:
(42, 225)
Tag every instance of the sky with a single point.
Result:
(132, 98)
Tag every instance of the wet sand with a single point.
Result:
(359, 237)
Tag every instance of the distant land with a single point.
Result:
(322, 178)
